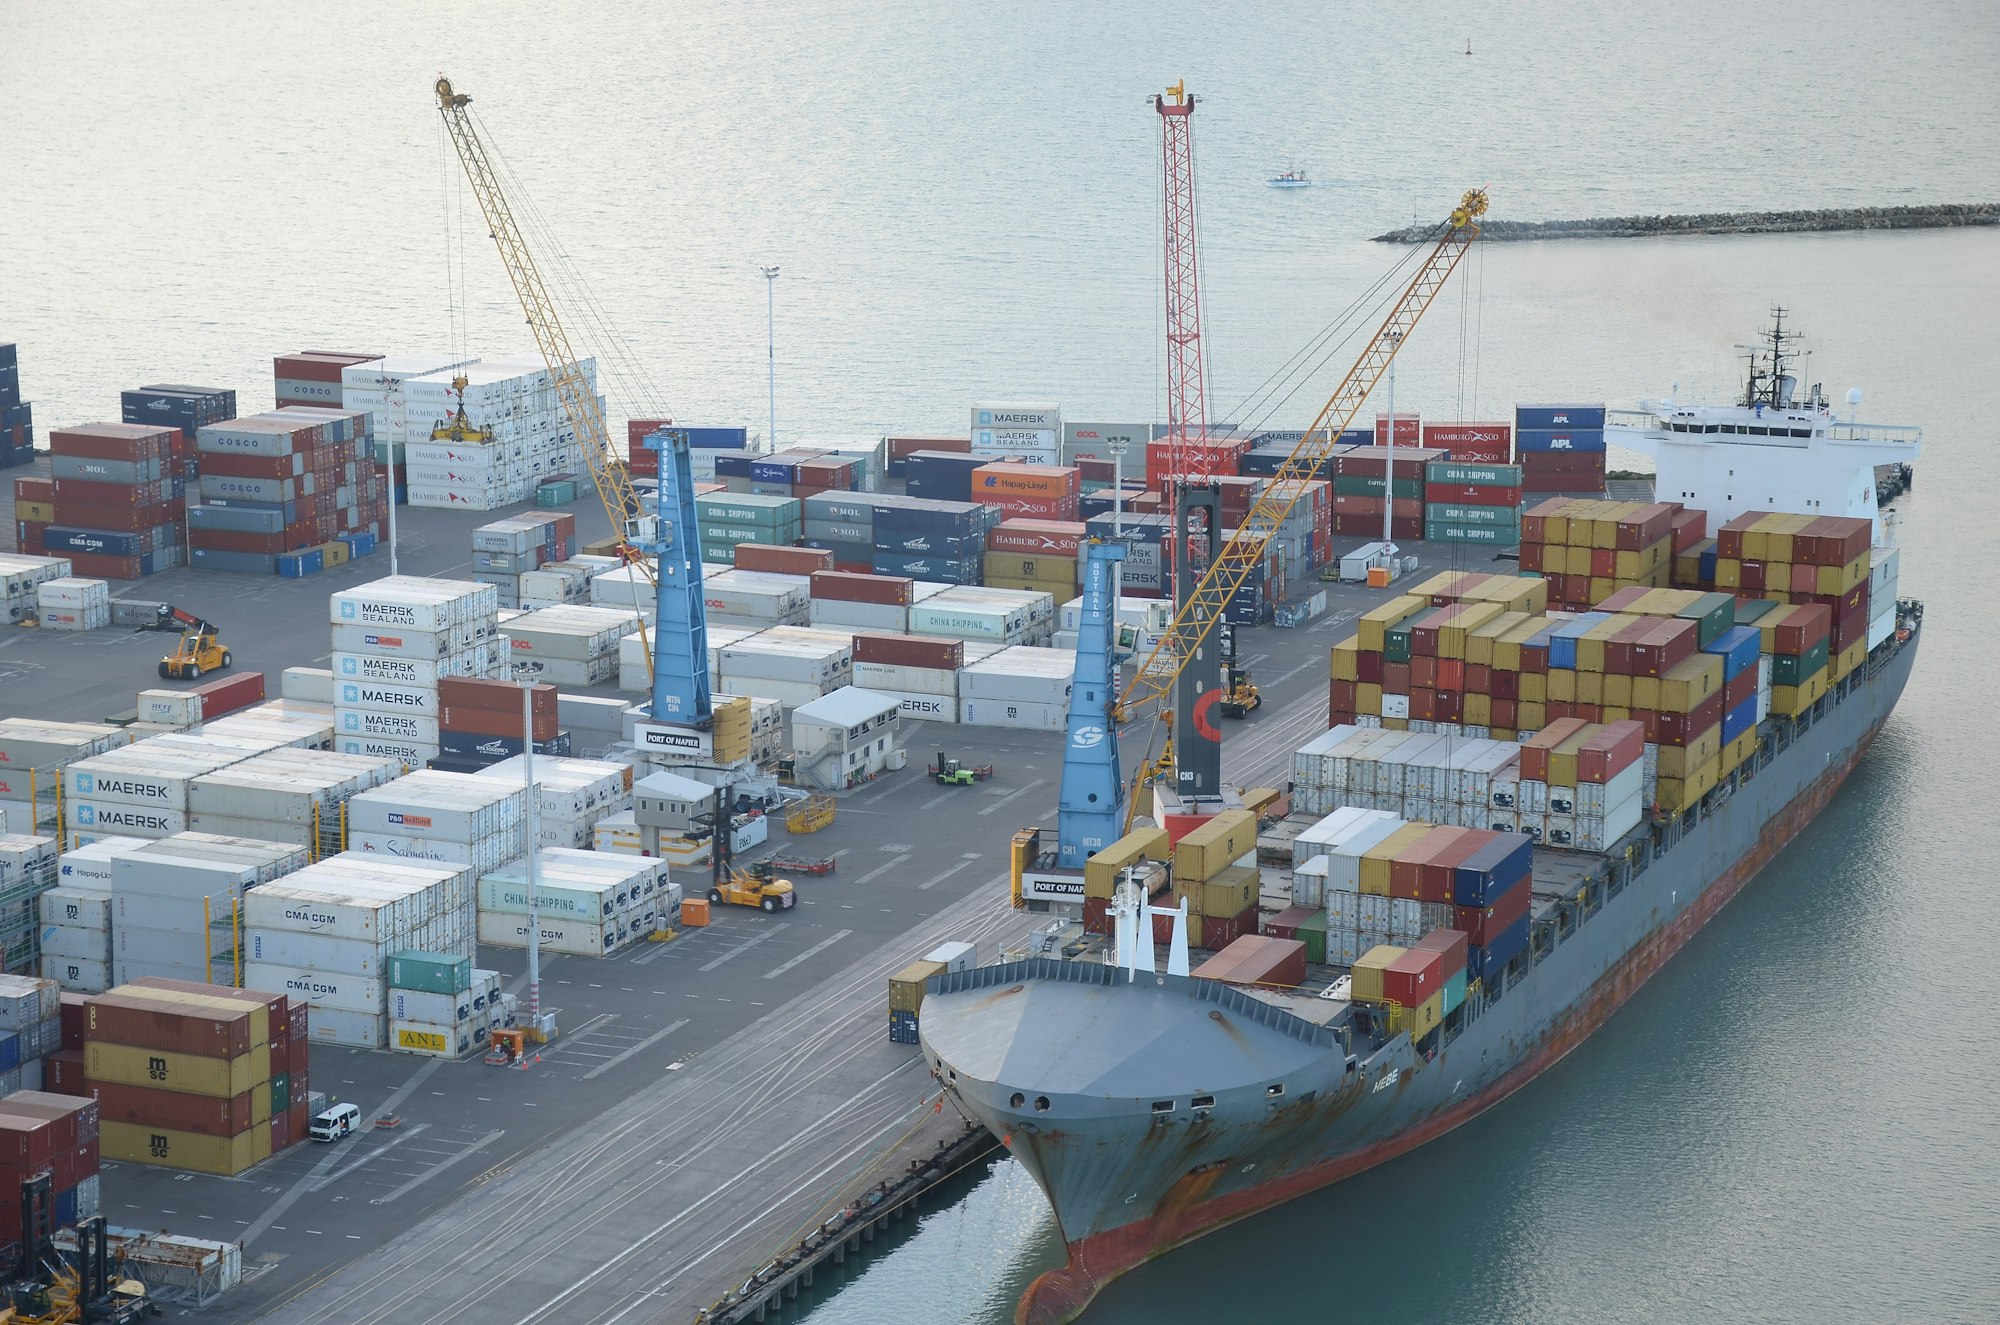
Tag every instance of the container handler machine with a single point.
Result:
(201, 649)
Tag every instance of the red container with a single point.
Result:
(782, 560)
(1413, 977)
(1406, 870)
(1664, 646)
(1472, 494)
(114, 441)
(1258, 959)
(232, 465)
(1449, 944)
(901, 448)
(87, 492)
(1055, 538)
(486, 722)
(1097, 915)
(1423, 672)
(203, 1114)
(1459, 438)
(96, 567)
(1535, 750)
(1367, 461)
(72, 1019)
(230, 694)
(34, 489)
(1437, 874)
(1408, 429)
(297, 1122)
(128, 1017)
(281, 1131)
(467, 694)
(28, 1142)
(1607, 753)
(1686, 729)
(1396, 678)
(1218, 932)
(839, 586)
(1340, 695)
(910, 651)
(118, 519)
(1285, 924)
(1738, 688)
(1690, 528)
(1479, 922)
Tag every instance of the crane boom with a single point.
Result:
(1232, 563)
(608, 472)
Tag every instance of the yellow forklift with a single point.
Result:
(757, 886)
(201, 649)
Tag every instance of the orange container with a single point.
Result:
(1378, 577)
(1008, 480)
(694, 912)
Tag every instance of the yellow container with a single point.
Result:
(1367, 698)
(190, 1152)
(1532, 716)
(162, 1069)
(1618, 690)
(1229, 893)
(1728, 573)
(1395, 724)
(1790, 701)
(1479, 643)
(1478, 710)
(1578, 561)
(1676, 761)
(1646, 692)
(1256, 800)
(1687, 683)
(1374, 624)
(260, 1141)
(1507, 650)
(1737, 753)
(1451, 637)
(1346, 663)
(1419, 1021)
(1590, 687)
(333, 553)
(1679, 793)
(1375, 861)
(1560, 685)
(1602, 587)
(1367, 973)
(1534, 688)
(1851, 657)
(1215, 846)
(1100, 872)
(906, 987)
(1616, 713)
(41, 512)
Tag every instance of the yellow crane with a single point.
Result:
(608, 469)
(1159, 671)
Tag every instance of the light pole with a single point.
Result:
(1389, 460)
(1116, 446)
(771, 343)
(533, 832)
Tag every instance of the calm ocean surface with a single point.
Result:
(1794, 1121)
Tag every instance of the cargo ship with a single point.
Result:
(1153, 1107)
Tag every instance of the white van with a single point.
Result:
(334, 1123)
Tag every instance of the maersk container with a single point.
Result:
(416, 699)
(413, 603)
(389, 726)
(122, 818)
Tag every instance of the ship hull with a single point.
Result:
(1250, 1156)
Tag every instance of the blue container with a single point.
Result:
(732, 466)
(903, 1028)
(10, 1052)
(465, 745)
(842, 507)
(298, 565)
(1526, 443)
(57, 538)
(1557, 418)
(1484, 877)
(359, 544)
(1708, 566)
(166, 558)
(1737, 647)
(65, 1211)
(772, 471)
(1357, 437)
(716, 439)
(1739, 720)
(1505, 946)
(1563, 638)
(916, 543)
(242, 563)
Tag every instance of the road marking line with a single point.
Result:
(739, 950)
(880, 870)
(814, 951)
(935, 801)
(369, 1158)
(587, 1026)
(427, 1175)
(1011, 795)
(931, 882)
(646, 1043)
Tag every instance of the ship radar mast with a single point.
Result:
(1770, 385)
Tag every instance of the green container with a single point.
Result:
(281, 1093)
(1794, 669)
(1449, 513)
(1712, 614)
(1465, 471)
(1438, 531)
(555, 494)
(430, 972)
(1454, 992)
(1396, 640)
(1374, 485)
(1312, 933)
(747, 508)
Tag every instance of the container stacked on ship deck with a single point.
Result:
(118, 510)
(1822, 561)
(333, 926)
(1560, 447)
(908, 986)
(17, 416)
(588, 903)
(393, 640)
(76, 916)
(51, 1137)
(175, 903)
(22, 577)
(1588, 550)
(524, 435)
(201, 1078)
(504, 551)
(1582, 786)
(290, 492)
(1215, 873)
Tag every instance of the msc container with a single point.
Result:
(191, 1152)
(206, 1115)
(124, 1016)
(165, 1069)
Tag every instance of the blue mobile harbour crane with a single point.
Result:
(667, 538)
(1096, 809)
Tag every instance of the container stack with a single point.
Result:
(17, 416)
(525, 436)
(704, 445)
(1472, 502)
(504, 551)
(481, 723)
(941, 475)
(1439, 778)
(753, 599)
(290, 492)
(1588, 550)
(1809, 560)
(1027, 432)
(574, 795)
(1215, 872)
(727, 518)
(1022, 687)
(73, 605)
(588, 903)
(27, 869)
(76, 916)
(313, 377)
(175, 901)
(1583, 786)
(292, 796)
(1028, 491)
(22, 577)
(568, 646)
(141, 789)
(393, 640)
(436, 1004)
(450, 818)
(1264, 961)
(47, 1135)
(844, 600)
(1560, 447)
(1037, 556)
(898, 450)
(780, 560)
(200, 1078)
(792, 665)
(380, 386)
(33, 754)
(842, 524)
(1361, 488)
(999, 616)
(944, 541)
(906, 999)
(922, 675)
(119, 510)
(334, 925)
(1473, 443)
(187, 409)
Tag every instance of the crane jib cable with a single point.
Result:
(1231, 565)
